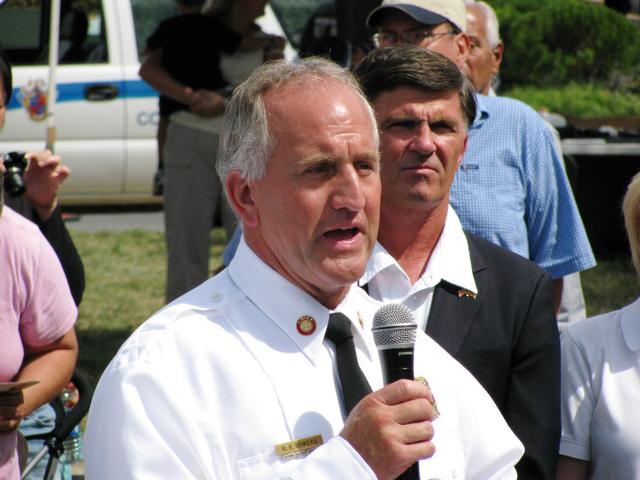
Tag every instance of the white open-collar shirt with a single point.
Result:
(450, 261)
(601, 393)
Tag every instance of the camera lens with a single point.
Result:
(15, 164)
(14, 183)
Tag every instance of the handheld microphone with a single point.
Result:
(394, 332)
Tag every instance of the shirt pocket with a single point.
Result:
(267, 466)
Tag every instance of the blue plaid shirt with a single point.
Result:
(512, 189)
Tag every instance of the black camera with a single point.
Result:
(15, 163)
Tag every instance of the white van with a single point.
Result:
(105, 115)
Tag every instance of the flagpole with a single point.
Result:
(54, 29)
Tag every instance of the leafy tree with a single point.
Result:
(554, 42)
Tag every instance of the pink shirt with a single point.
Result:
(36, 307)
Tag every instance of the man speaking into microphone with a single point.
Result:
(269, 370)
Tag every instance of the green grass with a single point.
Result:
(126, 275)
(125, 280)
(612, 284)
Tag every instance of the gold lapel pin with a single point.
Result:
(463, 292)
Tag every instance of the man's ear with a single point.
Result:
(241, 196)
(463, 42)
(464, 149)
(497, 58)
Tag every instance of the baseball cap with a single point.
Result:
(427, 12)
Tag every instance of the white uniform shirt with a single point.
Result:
(601, 393)
(450, 261)
(208, 387)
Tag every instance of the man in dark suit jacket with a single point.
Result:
(491, 309)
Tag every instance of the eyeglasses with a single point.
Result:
(411, 37)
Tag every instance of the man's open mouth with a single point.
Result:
(342, 233)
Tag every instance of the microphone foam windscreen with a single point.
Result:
(394, 326)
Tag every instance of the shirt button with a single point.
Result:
(217, 297)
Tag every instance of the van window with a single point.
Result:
(24, 32)
(146, 17)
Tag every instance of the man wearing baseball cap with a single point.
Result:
(434, 24)
(427, 12)
(512, 190)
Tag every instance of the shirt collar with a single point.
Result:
(482, 110)
(630, 325)
(380, 260)
(450, 260)
(260, 282)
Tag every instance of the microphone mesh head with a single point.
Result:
(394, 326)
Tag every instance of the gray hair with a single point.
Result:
(492, 26)
(246, 142)
(385, 69)
(631, 210)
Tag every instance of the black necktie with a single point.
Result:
(354, 383)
